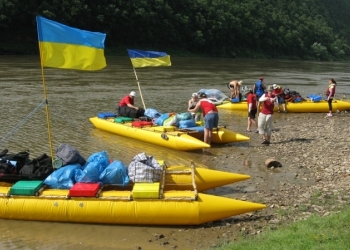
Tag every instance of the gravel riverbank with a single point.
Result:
(314, 179)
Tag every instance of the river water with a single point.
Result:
(74, 96)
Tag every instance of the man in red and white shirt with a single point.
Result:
(265, 116)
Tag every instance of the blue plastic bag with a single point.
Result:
(90, 173)
(159, 121)
(63, 178)
(298, 99)
(115, 173)
(184, 116)
(187, 124)
(152, 113)
(234, 100)
(100, 157)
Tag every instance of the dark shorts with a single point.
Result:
(252, 113)
(281, 100)
(211, 120)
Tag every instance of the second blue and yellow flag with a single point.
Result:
(65, 47)
(141, 58)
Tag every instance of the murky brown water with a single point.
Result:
(74, 96)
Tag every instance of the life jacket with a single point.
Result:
(328, 90)
(259, 88)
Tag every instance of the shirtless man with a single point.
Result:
(235, 88)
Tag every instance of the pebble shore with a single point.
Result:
(314, 179)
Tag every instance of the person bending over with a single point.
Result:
(279, 93)
(210, 114)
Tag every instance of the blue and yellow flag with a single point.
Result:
(65, 47)
(140, 58)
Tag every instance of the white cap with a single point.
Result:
(274, 86)
(194, 95)
(132, 93)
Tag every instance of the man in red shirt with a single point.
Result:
(265, 116)
(210, 114)
(279, 93)
(252, 109)
(126, 107)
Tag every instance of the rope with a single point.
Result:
(9, 134)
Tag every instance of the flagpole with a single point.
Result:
(138, 84)
(47, 104)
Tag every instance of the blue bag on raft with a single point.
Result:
(115, 173)
(105, 115)
(298, 99)
(63, 178)
(184, 116)
(160, 120)
(90, 173)
(235, 100)
(315, 97)
(100, 157)
(96, 164)
(152, 113)
(187, 124)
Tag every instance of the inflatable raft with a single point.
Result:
(306, 106)
(167, 136)
(141, 204)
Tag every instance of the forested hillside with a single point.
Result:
(295, 29)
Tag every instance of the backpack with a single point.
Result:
(38, 168)
(69, 155)
(17, 161)
(7, 168)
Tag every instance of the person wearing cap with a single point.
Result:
(126, 107)
(235, 86)
(259, 89)
(252, 109)
(210, 114)
(265, 116)
(197, 116)
(279, 93)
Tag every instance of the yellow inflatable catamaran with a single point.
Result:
(168, 136)
(305, 106)
(141, 203)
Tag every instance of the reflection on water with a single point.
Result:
(74, 96)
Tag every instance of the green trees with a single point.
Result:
(305, 29)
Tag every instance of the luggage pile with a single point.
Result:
(20, 166)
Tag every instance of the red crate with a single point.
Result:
(141, 124)
(84, 189)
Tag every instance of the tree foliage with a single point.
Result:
(302, 29)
